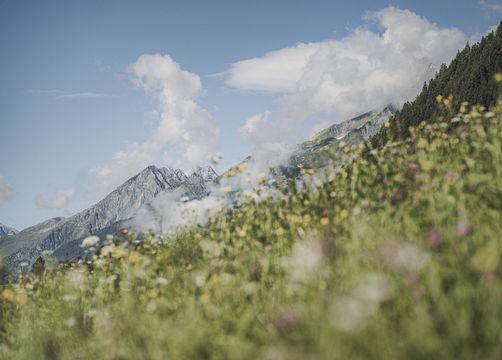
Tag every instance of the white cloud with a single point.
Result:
(7, 192)
(489, 6)
(62, 94)
(185, 132)
(255, 127)
(365, 70)
(59, 201)
(84, 95)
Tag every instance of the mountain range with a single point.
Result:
(62, 237)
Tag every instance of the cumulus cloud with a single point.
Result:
(491, 6)
(185, 133)
(7, 192)
(253, 128)
(365, 70)
(59, 201)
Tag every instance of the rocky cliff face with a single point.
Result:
(65, 235)
(6, 230)
(309, 154)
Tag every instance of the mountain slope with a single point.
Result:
(6, 230)
(469, 77)
(310, 154)
(22, 249)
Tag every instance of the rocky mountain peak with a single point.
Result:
(7, 230)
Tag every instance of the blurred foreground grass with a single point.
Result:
(397, 255)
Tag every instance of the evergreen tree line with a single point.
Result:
(469, 77)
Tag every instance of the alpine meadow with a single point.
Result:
(376, 236)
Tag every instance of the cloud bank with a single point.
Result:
(59, 201)
(7, 192)
(365, 70)
(183, 125)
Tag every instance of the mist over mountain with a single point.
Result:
(6, 230)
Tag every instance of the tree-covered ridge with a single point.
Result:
(468, 78)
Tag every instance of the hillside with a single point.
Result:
(401, 249)
(468, 78)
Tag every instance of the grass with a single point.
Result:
(397, 255)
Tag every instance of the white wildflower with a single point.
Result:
(90, 241)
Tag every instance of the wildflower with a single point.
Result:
(215, 279)
(134, 257)
(153, 293)
(464, 228)
(287, 320)
(351, 313)
(439, 99)
(405, 256)
(426, 165)
(387, 124)
(324, 221)
(486, 258)
(498, 77)
(279, 231)
(189, 267)
(9, 295)
(242, 167)
(422, 143)
(305, 259)
(229, 174)
(119, 252)
(433, 237)
(344, 214)
(106, 250)
(90, 241)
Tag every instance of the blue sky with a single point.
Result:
(71, 98)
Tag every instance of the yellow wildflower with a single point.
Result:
(119, 252)
(426, 165)
(422, 143)
(134, 257)
(498, 77)
(324, 221)
(344, 214)
(9, 295)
